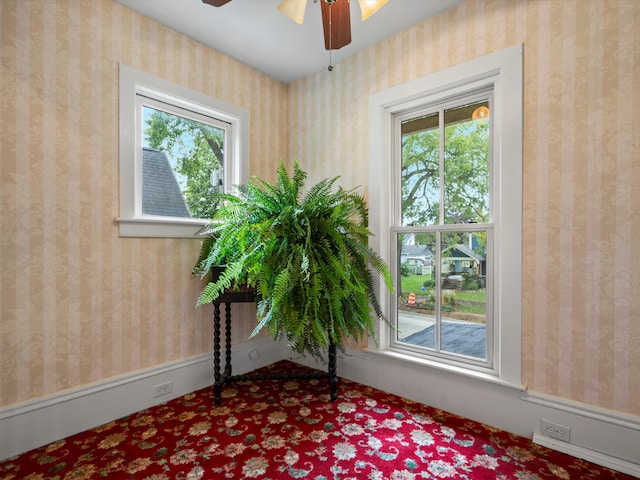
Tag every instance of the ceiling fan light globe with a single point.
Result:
(293, 9)
(369, 7)
(480, 113)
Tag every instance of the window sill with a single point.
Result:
(443, 367)
(160, 227)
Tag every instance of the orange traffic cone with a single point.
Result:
(411, 301)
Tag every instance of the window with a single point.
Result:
(177, 147)
(445, 224)
(445, 208)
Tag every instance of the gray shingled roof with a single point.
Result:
(161, 193)
(423, 251)
(462, 250)
(417, 251)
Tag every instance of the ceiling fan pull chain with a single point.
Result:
(330, 67)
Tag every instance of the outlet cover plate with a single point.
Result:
(555, 430)
(163, 389)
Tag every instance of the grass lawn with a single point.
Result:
(413, 284)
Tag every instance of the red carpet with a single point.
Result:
(284, 429)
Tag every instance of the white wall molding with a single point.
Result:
(583, 409)
(586, 454)
(605, 437)
(31, 424)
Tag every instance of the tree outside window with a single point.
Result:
(195, 151)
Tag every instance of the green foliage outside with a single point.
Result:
(197, 149)
(405, 270)
(465, 196)
(465, 183)
(466, 174)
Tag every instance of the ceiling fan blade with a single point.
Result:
(216, 3)
(336, 22)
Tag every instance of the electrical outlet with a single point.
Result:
(554, 430)
(163, 389)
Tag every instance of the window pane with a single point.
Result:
(463, 294)
(416, 296)
(466, 167)
(181, 165)
(449, 315)
(420, 176)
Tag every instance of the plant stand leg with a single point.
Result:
(217, 384)
(227, 348)
(333, 375)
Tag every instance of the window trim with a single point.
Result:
(501, 71)
(134, 83)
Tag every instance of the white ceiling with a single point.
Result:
(254, 32)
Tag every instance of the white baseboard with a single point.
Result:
(586, 454)
(39, 422)
(617, 436)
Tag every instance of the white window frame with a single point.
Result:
(135, 84)
(439, 227)
(501, 72)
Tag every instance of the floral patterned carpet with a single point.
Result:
(284, 429)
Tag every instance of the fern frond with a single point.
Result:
(306, 255)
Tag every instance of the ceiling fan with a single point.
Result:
(336, 18)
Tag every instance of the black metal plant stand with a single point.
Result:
(226, 376)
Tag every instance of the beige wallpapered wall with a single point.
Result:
(581, 301)
(80, 304)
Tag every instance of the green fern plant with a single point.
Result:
(305, 253)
